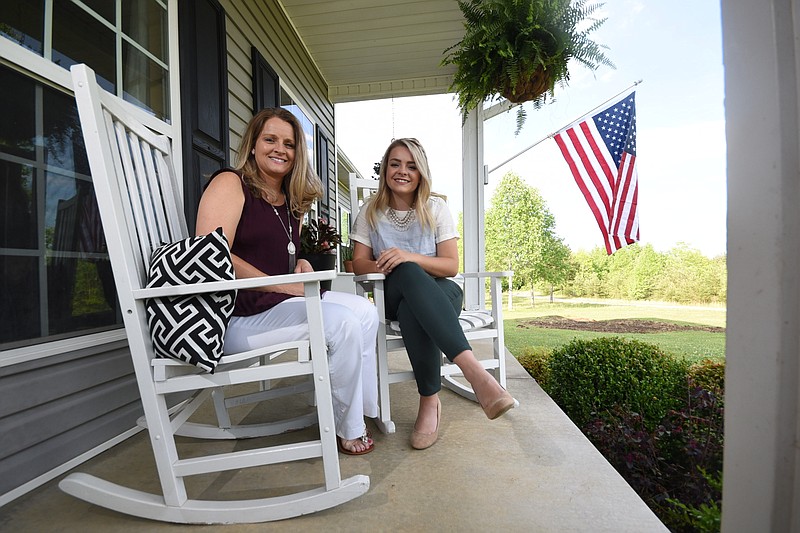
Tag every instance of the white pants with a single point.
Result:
(351, 328)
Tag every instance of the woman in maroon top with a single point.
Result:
(259, 205)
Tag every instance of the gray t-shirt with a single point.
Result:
(415, 239)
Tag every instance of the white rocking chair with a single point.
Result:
(483, 323)
(137, 195)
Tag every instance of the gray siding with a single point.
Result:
(264, 25)
(56, 408)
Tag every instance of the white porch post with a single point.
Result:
(473, 173)
(762, 399)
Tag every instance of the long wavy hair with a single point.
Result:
(301, 185)
(380, 201)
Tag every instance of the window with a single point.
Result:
(344, 226)
(55, 276)
(124, 41)
(308, 132)
(305, 122)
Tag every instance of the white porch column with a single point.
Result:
(762, 459)
(473, 173)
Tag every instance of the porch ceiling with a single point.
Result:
(369, 49)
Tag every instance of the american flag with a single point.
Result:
(601, 153)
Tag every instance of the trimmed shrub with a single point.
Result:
(708, 375)
(592, 376)
(535, 362)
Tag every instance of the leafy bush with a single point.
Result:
(690, 442)
(709, 375)
(624, 440)
(535, 362)
(675, 468)
(592, 376)
(706, 517)
(656, 419)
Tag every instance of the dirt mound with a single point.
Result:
(621, 325)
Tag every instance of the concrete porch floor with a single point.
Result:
(531, 470)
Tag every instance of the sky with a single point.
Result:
(680, 128)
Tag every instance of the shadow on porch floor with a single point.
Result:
(531, 470)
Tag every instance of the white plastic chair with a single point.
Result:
(483, 323)
(137, 195)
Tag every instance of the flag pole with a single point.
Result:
(559, 129)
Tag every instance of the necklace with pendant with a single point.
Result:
(289, 247)
(401, 223)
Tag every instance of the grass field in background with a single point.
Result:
(693, 345)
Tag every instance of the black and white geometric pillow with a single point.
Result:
(191, 328)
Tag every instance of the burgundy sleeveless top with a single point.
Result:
(261, 240)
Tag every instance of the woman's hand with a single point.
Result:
(391, 257)
(443, 264)
(296, 289)
(303, 266)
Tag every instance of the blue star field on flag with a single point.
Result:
(617, 127)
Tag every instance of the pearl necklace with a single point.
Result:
(401, 224)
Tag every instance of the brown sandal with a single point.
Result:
(365, 438)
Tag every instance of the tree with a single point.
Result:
(555, 266)
(689, 276)
(639, 272)
(520, 235)
(591, 273)
(634, 272)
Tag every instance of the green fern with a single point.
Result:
(507, 41)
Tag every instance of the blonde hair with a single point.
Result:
(301, 185)
(380, 200)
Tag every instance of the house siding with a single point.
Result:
(265, 26)
(56, 408)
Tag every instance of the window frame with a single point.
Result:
(287, 92)
(42, 70)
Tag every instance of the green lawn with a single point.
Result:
(693, 345)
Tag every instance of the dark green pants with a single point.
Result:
(427, 309)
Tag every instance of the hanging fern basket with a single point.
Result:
(520, 49)
(526, 89)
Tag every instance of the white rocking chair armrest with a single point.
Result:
(372, 276)
(375, 276)
(368, 282)
(245, 283)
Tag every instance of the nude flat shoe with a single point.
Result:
(419, 440)
(498, 405)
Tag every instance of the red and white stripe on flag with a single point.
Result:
(601, 154)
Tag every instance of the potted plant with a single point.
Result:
(346, 255)
(318, 242)
(519, 49)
